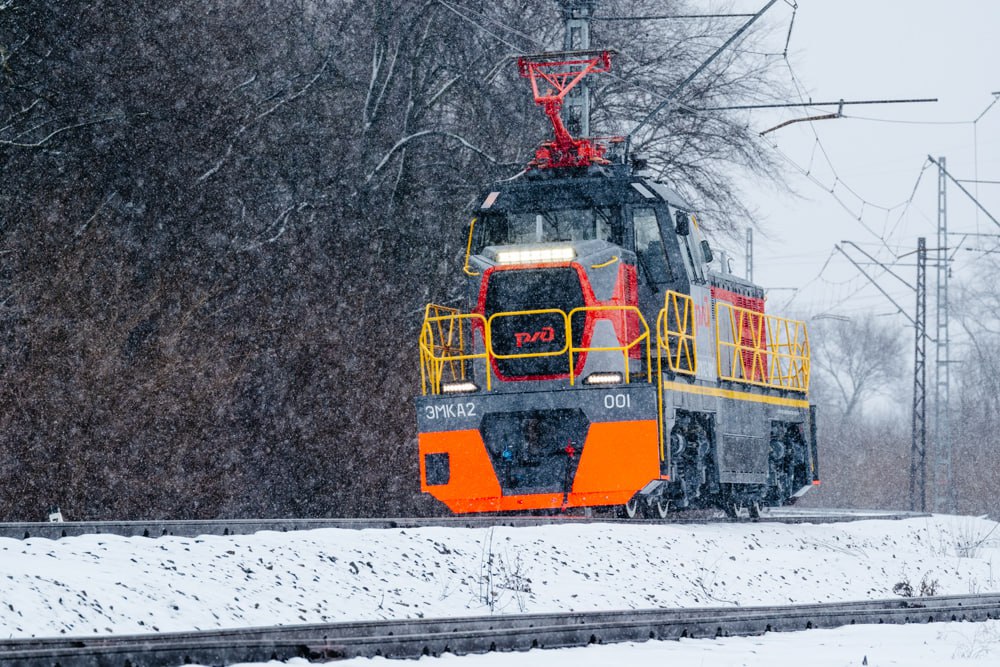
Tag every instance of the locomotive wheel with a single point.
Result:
(732, 509)
(630, 510)
(657, 508)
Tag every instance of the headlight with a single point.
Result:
(463, 387)
(604, 378)
(535, 256)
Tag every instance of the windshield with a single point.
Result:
(574, 224)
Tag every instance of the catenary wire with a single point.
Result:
(498, 23)
(462, 16)
(818, 144)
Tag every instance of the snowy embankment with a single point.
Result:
(105, 584)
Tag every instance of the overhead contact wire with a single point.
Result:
(462, 16)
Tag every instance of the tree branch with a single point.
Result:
(280, 103)
(282, 219)
(423, 133)
(44, 140)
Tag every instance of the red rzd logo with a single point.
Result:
(546, 335)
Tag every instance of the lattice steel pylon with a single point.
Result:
(577, 15)
(918, 446)
(943, 495)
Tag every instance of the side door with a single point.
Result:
(660, 266)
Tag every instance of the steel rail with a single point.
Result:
(415, 638)
(195, 528)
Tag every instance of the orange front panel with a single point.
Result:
(473, 485)
(619, 458)
(472, 475)
(538, 501)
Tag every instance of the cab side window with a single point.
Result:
(649, 247)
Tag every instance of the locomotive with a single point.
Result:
(602, 361)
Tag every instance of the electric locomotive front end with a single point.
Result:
(558, 406)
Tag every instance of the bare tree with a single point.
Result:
(218, 224)
(700, 152)
(975, 397)
(854, 360)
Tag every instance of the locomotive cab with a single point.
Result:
(630, 239)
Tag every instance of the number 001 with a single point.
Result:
(612, 401)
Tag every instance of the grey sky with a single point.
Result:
(876, 49)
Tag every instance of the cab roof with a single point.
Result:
(596, 187)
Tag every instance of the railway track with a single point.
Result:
(57, 530)
(415, 638)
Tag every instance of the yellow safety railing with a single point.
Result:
(763, 350)
(468, 251)
(527, 355)
(446, 342)
(751, 347)
(675, 333)
(675, 341)
(624, 349)
(445, 346)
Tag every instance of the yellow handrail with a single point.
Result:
(678, 342)
(675, 331)
(468, 250)
(526, 355)
(614, 258)
(624, 349)
(443, 343)
(763, 350)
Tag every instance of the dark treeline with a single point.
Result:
(219, 223)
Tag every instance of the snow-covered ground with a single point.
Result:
(104, 584)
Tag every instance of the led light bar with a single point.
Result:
(536, 256)
(463, 387)
(604, 378)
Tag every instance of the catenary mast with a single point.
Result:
(577, 15)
